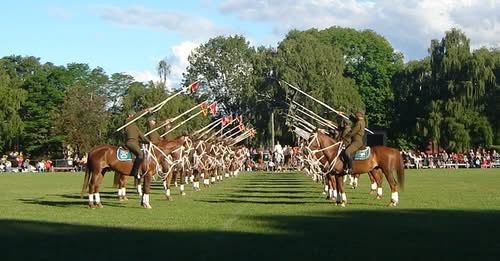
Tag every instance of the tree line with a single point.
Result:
(448, 99)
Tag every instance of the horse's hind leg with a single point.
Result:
(183, 181)
(122, 189)
(147, 187)
(332, 187)
(94, 195)
(394, 187)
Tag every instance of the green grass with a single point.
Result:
(444, 214)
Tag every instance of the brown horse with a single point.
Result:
(382, 158)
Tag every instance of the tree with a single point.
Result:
(11, 99)
(224, 67)
(163, 71)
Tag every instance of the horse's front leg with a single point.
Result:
(183, 181)
(342, 197)
(146, 190)
(94, 196)
(122, 187)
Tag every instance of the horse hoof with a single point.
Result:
(323, 193)
(393, 204)
(183, 193)
(168, 198)
(125, 198)
(146, 206)
(91, 206)
(373, 192)
(343, 204)
(99, 205)
(378, 197)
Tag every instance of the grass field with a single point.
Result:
(444, 214)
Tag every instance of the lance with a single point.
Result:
(133, 120)
(315, 116)
(234, 134)
(241, 137)
(229, 131)
(180, 124)
(157, 106)
(221, 129)
(300, 120)
(173, 119)
(208, 126)
(322, 103)
(161, 104)
(211, 128)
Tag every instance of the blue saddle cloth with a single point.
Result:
(362, 154)
(123, 154)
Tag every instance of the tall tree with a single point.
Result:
(11, 99)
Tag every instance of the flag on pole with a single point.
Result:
(213, 108)
(204, 108)
(193, 86)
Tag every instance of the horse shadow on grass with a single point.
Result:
(391, 234)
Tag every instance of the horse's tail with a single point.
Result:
(400, 172)
(86, 179)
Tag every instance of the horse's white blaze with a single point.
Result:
(97, 198)
(395, 196)
(167, 192)
(374, 185)
(379, 191)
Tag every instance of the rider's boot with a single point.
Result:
(135, 168)
(348, 165)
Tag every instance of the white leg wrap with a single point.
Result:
(181, 188)
(164, 184)
(237, 172)
(91, 198)
(145, 199)
(191, 178)
(139, 189)
(186, 179)
(395, 196)
(331, 193)
(356, 181)
(206, 182)
(97, 198)
(167, 192)
(379, 191)
(124, 191)
(335, 193)
(374, 185)
(213, 179)
(226, 175)
(175, 183)
(344, 197)
(326, 188)
(120, 192)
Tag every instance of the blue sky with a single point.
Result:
(132, 36)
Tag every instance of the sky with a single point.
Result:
(125, 36)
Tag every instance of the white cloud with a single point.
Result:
(409, 25)
(186, 25)
(59, 12)
(144, 76)
(178, 62)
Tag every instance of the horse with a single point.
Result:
(104, 157)
(382, 158)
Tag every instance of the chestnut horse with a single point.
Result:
(382, 158)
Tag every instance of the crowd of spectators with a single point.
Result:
(20, 163)
(479, 158)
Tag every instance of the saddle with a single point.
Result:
(362, 154)
(123, 154)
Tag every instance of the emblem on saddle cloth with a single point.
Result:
(123, 154)
(362, 154)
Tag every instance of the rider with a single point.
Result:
(356, 134)
(153, 136)
(134, 135)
